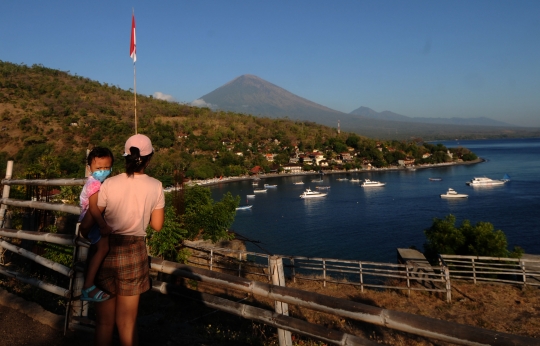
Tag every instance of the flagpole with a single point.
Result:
(135, 91)
(133, 55)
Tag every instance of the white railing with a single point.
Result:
(521, 271)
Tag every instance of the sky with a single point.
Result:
(417, 58)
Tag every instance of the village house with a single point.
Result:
(292, 168)
(269, 157)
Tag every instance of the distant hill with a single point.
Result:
(387, 115)
(250, 94)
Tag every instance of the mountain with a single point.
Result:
(252, 95)
(387, 115)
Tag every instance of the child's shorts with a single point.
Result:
(94, 235)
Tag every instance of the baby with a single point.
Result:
(93, 226)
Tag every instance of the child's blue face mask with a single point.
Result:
(101, 175)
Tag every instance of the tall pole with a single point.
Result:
(133, 55)
(135, 91)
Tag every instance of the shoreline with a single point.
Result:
(216, 181)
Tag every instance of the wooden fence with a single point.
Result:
(363, 274)
(270, 268)
(521, 271)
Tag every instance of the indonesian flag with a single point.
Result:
(133, 45)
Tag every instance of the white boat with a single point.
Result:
(250, 196)
(269, 185)
(323, 187)
(355, 180)
(299, 183)
(254, 183)
(451, 193)
(435, 179)
(369, 183)
(244, 207)
(312, 194)
(484, 181)
(342, 179)
(317, 180)
(259, 190)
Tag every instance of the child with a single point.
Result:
(93, 227)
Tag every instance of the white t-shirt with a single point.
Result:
(130, 201)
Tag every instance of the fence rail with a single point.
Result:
(364, 274)
(520, 271)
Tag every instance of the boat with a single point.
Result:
(254, 183)
(451, 193)
(369, 183)
(485, 181)
(312, 194)
(316, 181)
(259, 190)
(269, 185)
(299, 183)
(435, 179)
(244, 207)
(355, 180)
(342, 179)
(250, 196)
(323, 187)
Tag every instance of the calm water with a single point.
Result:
(369, 224)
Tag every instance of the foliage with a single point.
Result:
(208, 219)
(443, 237)
(202, 218)
(166, 243)
(62, 254)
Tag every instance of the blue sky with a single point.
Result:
(416, 58)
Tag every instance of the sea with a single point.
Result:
(369, 224)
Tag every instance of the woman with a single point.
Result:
(131, 202)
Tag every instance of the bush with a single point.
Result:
(469, 240)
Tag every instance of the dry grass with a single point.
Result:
(504, 308)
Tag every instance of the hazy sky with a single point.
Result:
(417, 58)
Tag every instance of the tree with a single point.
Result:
(202, 218)
(474, 240)
(205, 218)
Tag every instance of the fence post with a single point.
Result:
(3, 208)
(324, 272)
(522, 265)
(448, 284)
(211, 258)
(473, 271)
(293, 269)
(408, 280)
(79, 309)
(361, 278)
(239, 264)
(278, 279)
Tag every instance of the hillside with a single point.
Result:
(49, 119)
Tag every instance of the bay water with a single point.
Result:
(369, 224)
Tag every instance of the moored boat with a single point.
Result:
(355, 180)
(451, 193)
(250, 196)
(270, 185)
(244, 207)
(370, 183)
(312, 194)
(298, 183)
(324, 187)
(435, 179)
(259, 190)
(485, 181)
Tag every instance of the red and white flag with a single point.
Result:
(133, 45)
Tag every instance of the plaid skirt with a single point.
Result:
(125, 270)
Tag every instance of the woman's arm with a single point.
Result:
(157, 218)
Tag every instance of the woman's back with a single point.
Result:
(129, 202)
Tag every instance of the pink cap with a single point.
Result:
(139, 141)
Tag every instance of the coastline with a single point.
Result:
(216, 181)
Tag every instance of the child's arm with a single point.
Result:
(94, 210)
